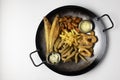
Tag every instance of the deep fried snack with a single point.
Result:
(92, 33)
(82, 41)
(77, 20)
(74, 24)
(83, 44)
(69, 37)
(68, 58)
(60, 44)
(66, 38)
(69, 22)
(65, 46)
(90, 39)
(76, 57)
(83, 58)
(85, 52)
(54, 32)
(68, 52)
(47, 27)
(56, 44)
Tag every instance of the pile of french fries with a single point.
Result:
(63, 36)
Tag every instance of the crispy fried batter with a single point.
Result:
(54, 32)
(47, 27)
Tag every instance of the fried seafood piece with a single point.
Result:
(87, 40)
(68, 52)
(85, 52)
(60, 44)
(76, 19)
(91, 39)
(92, 33)
(83, 58)
(47, 27)
(54, 32)
(69, 22)
(68, 58)
(65, 46)
(76, 57)
(56, 44)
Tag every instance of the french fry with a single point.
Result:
(70, 56)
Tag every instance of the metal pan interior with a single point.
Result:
(100, 47)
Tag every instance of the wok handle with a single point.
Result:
(112, 24)
(36, 65)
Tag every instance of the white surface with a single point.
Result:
(18, 25)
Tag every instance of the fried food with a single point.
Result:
(85, 52)
(56, 44)
(83, 58)
(83, 42)
(63, 48)
(54, 32)
(68, 52)
(76, 57)
(70, 56)
(66, 38)
(60, 44)
(69, 22)
(65, 51)
(47, 27)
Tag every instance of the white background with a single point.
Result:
(19, 20)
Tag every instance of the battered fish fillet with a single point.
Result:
(54, 32)
(47, 27)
